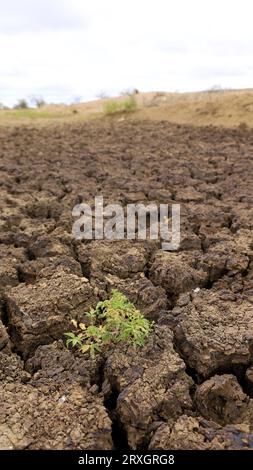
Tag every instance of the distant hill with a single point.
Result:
(227, 108)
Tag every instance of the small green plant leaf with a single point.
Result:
(114, 320)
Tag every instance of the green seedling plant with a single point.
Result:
(115, 320)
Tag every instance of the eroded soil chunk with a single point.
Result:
(31, 419)
(41, 312)
(151, 384)
(214, 334)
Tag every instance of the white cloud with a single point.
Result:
(73, 47)
(39, 15)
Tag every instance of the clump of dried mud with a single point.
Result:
(191, 385)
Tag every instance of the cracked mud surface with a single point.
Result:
(191, 385)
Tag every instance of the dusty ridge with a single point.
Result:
(221, 108)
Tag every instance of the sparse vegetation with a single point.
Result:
(112, 107)
(130, 104)
(112, 321)
(22, 104)
(38, 101)
(127, 105)
(28, 113)
(227, 109)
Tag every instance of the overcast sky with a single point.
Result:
(63, 49)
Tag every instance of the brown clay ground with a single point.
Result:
(191, 386)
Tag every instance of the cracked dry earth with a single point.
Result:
(191, 385)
